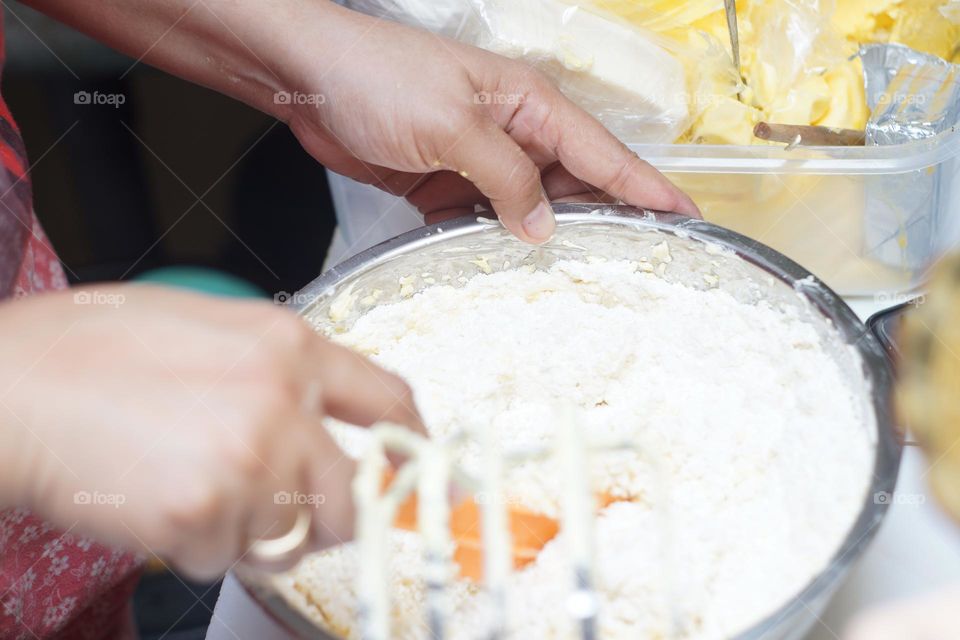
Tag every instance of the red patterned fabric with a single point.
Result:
(52, 584)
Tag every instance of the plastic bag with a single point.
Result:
(451, 18)
(623, 75)
(661, 16)
(786, 47)
(913, 96)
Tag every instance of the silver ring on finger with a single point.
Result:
(287, 548)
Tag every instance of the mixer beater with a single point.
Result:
(429, 473)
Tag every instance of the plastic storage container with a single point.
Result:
(869, 221)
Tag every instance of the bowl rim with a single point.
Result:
(876, 365)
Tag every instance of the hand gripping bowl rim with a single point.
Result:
(876, 366)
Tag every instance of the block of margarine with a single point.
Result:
(610, 68)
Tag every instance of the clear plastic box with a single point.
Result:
(869, 221)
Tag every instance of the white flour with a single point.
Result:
(753, 457)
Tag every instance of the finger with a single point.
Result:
(275, 504)
(330, 150)
(448, 214)
(318, 486)
(269, 494)
(506, 175)
(330, 476)
(446, 190)
(396, 183)
(563, 186)
(559, 184)
(326, 147)
(594, 155)
(206, 547)
(587, 198)
(356, 390)
(447, 195)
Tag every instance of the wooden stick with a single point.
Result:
(810, 136)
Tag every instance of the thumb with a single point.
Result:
(505, 174)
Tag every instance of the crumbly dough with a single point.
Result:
(752, 454)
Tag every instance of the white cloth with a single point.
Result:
(238, 617)
(366, 216)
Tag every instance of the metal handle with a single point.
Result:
(731, 9)
(884, 325)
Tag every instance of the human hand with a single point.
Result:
(168, 422)
(446, 125)
(449, 126)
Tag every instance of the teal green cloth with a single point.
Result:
(203, 280)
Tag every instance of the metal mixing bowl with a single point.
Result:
(455, 250)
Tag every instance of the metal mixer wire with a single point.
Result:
(429, 472)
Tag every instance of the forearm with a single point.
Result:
(247, 50)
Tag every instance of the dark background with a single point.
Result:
(117, 190)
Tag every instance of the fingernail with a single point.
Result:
(540, 223)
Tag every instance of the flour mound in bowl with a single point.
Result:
(753, 454)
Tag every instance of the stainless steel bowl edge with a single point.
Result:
(794, 618)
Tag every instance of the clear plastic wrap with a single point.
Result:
(631, 79)
(685, 29)
(795, 64)
(451, 18)
(913, 96)
(835, 210)
(951, 11)
(621, 74)
(929, 26)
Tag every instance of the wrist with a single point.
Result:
(321, 37)
(274, 55)
(236, 49)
